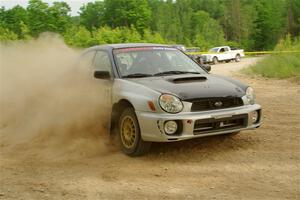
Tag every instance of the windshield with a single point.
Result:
(154, 61)
(214, 50)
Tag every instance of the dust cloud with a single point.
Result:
(50, 106)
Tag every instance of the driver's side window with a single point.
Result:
(102, 61)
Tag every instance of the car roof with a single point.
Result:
(128, 45)
(125, 45)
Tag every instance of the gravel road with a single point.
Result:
(256, 164)
(229, 69)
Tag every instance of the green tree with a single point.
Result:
(13, 18)
(167, 21)
(127, 13)
(232, 20)
(38, 19)
(92, 14)
(43, 18)
(269, 24)
(293, 17)
(215, 8)
(59, 18)
(207, 32)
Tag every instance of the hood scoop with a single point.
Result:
(188, 79)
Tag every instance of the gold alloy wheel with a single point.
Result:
(128, 132)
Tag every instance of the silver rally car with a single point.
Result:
(159, 94)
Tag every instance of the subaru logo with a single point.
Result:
(218, 103)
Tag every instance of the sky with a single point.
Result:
(74, 4)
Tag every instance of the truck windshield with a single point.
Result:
(154, 61)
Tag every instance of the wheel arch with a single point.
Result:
(215, 57)
(117, 110)
(237, 57)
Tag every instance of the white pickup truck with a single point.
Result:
(223, 53)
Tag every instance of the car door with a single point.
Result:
(102, 63)
(227, 53)
(221, 54)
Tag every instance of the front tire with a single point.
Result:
(215, 60)
(129, 134)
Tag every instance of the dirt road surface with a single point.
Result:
(256, 164)
(229, 69)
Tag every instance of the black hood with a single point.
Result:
(188, 87)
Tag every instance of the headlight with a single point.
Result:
(250, 96)
(170, 103)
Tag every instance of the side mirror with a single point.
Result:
(207, 67)
(102, 74)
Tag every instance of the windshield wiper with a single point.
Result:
(136, 75)
(175, 72)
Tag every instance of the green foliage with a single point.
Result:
(293, 17)
(150, 37)
(59, 19)
(130, 35)
(285, 44)
(283, 65)
(25, 32)
(92, 14)
(7, 35)
(173, 20)
(43, 18)
(78, 37)
(37, 17)
(13, 18)
(106, 35)
(127, 13)
(232, 43)
(269, 24)
(207, 31)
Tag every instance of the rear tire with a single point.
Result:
(129, 134)
(237, 58)
(215, 60)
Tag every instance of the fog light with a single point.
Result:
(170, 127)
(254, 117)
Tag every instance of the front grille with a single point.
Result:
(203, 126)
(204, 58)
(216, 103)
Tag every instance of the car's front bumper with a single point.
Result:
(206, 59)
(151, 124)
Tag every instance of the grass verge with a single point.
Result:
(277, 66)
